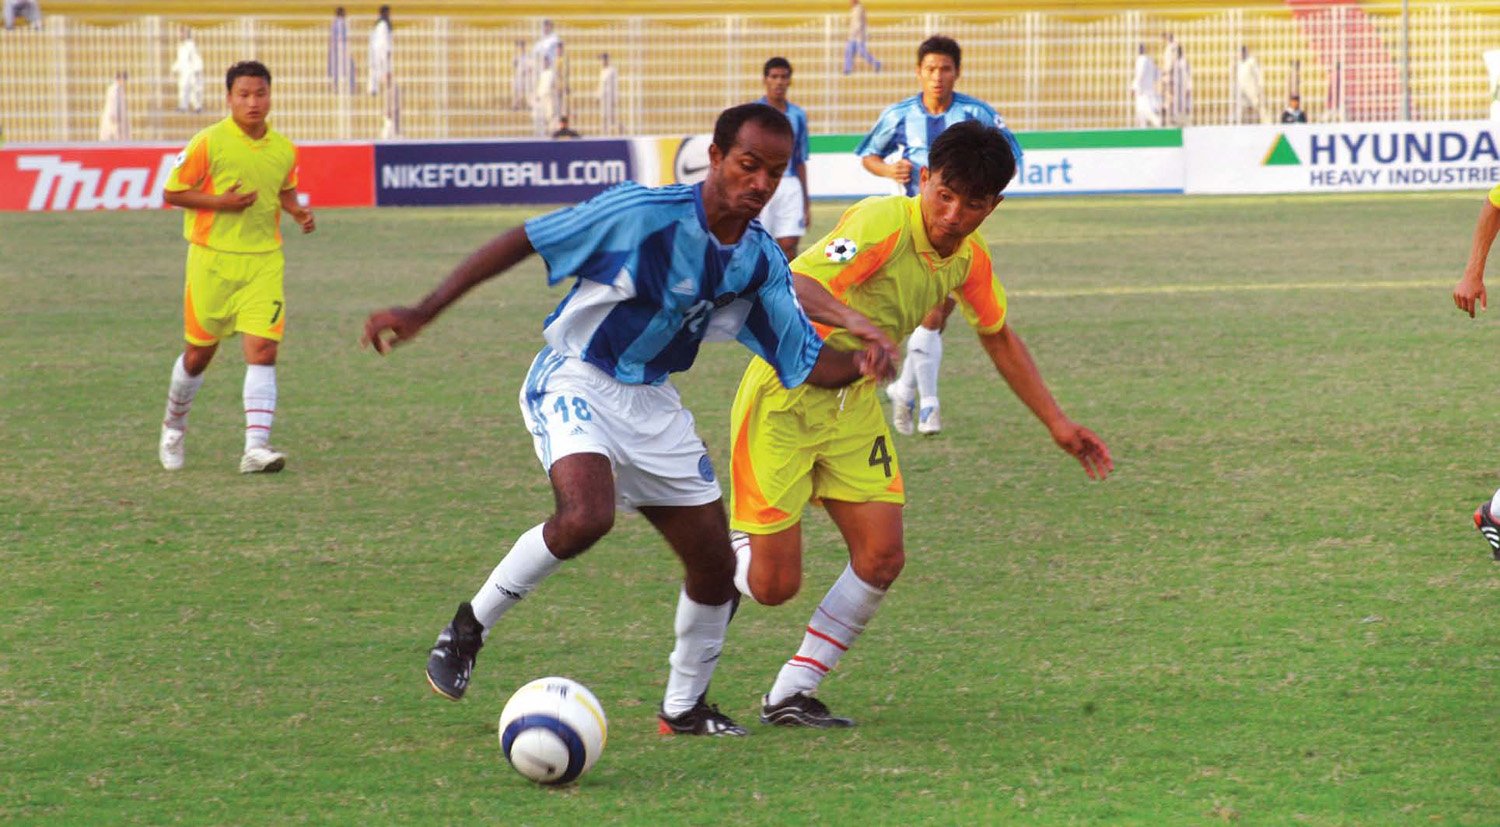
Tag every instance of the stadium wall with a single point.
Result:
(1365, 157)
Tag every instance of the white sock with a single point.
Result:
(525, 566)
(740, 542)
(180, 396)
(260, 404)
(1495, 506)
(834, 626)
(700, 638)
(905, 383)
(925, 352)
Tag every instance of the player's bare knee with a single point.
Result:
(775, 588)
(880, 567)
(260, 351)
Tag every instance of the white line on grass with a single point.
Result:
(1170, 289)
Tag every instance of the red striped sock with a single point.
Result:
(835, 625)
(260, 404)
(180, 396)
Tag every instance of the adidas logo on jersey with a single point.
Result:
(685, 287)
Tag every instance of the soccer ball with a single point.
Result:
(840, 250)
(552, 730)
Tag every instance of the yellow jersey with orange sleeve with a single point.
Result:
(221, 156)
(1495, 196)
(884, 237)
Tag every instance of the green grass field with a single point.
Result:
(1277, 611)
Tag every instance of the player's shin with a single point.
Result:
(524, 567)
(700, 637)
(835, 625)
(924, 350)
(180, 395)
(260, 404)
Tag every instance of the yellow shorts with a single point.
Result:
(792, 447)
(228, 293)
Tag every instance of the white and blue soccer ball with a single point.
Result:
(840, 250)
(552, 730)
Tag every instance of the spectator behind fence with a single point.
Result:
(1144, 86)
(564, 132)
(1250, 103)
(1179, 97)
(609, 96)
(859, 33)
(31, 9)
(340, 59)
(561, 88)
(381, 46)
(188, 69)
(114, 119)
(546, 46)
(544, 99)
(522, 77)
(1294, 113)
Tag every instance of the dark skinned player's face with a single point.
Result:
(748, 174)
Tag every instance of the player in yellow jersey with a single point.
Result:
(892, 259)
(1470, 297)
(234, 179)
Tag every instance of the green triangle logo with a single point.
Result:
(1281, 154)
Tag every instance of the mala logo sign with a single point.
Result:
(65, 177)
(60, 183)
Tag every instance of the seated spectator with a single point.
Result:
(563, 130)
(1294, 113)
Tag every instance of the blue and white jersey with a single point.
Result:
(651, 283)
(801, 149)
(908, 126)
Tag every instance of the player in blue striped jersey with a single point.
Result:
(896, 148)
(655, 273)
(786, 214)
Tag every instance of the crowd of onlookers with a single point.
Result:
(1163, 90)
(541, 80)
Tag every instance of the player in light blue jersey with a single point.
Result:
(897, 149)
(655, 272)
(786, 214)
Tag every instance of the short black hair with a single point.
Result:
(732, 120)
(975, 160)
(246, 69)
(938, 44)
(776, 63)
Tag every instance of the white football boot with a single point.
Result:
(930, 421)
(902, 408)
(262, 459)
(171, 449)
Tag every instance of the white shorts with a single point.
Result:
(572, 407)
(782, 216)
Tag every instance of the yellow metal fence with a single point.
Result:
(1042, 70)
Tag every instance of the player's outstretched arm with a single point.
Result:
(1014, 362)
(299, 213)
(1469, 293)
(821, 306)
(387, 328)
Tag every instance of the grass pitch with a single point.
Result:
(1277, 611)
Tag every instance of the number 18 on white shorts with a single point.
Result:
(572, 407)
